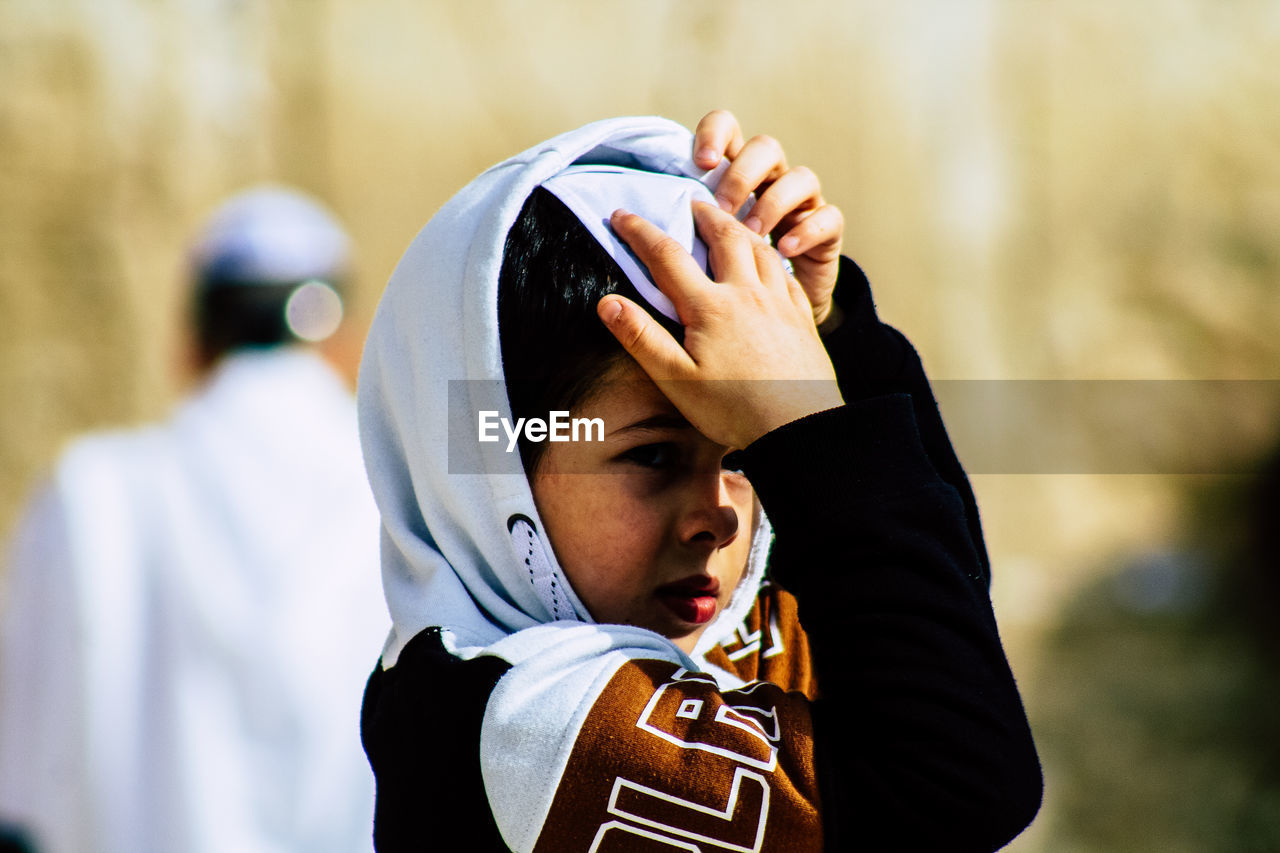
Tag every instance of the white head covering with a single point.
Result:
(461, 544)
(270, 234)
(594, 192)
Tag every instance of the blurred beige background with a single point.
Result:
(1083, 190)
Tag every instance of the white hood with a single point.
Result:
(459, 544)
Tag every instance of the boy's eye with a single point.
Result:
(732, 462)
(662, 455)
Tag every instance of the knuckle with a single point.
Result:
(666, 250)
(635, 337)
(714, 310)
(829, 224)
(726, 228)
(823, 221)
(807, 175)
(719, 116)
(764, 140)
(733, 184)
(767, 205)
(813, 227)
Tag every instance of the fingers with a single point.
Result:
(760, 162)
(717, 136)
(817, 235)
(794, 194)
(729, 248)
(653, 348)
(736, 255)
(672, 268)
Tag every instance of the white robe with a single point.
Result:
(193, 609)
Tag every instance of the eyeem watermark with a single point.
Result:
(997, 426)
(557, 427)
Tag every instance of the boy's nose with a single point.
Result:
(710, 519)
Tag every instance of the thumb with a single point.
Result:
(653, 348)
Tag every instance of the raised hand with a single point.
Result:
(789, 203)
(751, 359)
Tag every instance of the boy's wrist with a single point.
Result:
(833, 320)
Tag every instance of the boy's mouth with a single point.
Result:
(693, 599)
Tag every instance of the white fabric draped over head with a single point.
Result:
(463, 550)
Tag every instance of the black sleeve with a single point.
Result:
(921, 741)
(873, 359)
(420, 726)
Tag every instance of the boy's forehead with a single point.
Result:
(627, 399)
(625, 387)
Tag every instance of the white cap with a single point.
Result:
(270, 235)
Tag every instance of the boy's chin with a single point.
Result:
(686, 639)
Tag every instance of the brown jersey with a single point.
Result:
(670, 759)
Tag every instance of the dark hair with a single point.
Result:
(233, 315)
(554, 347)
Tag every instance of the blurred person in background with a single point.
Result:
(192, 606)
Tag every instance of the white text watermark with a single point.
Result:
(557, 427)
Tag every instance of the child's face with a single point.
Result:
(648, 526)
